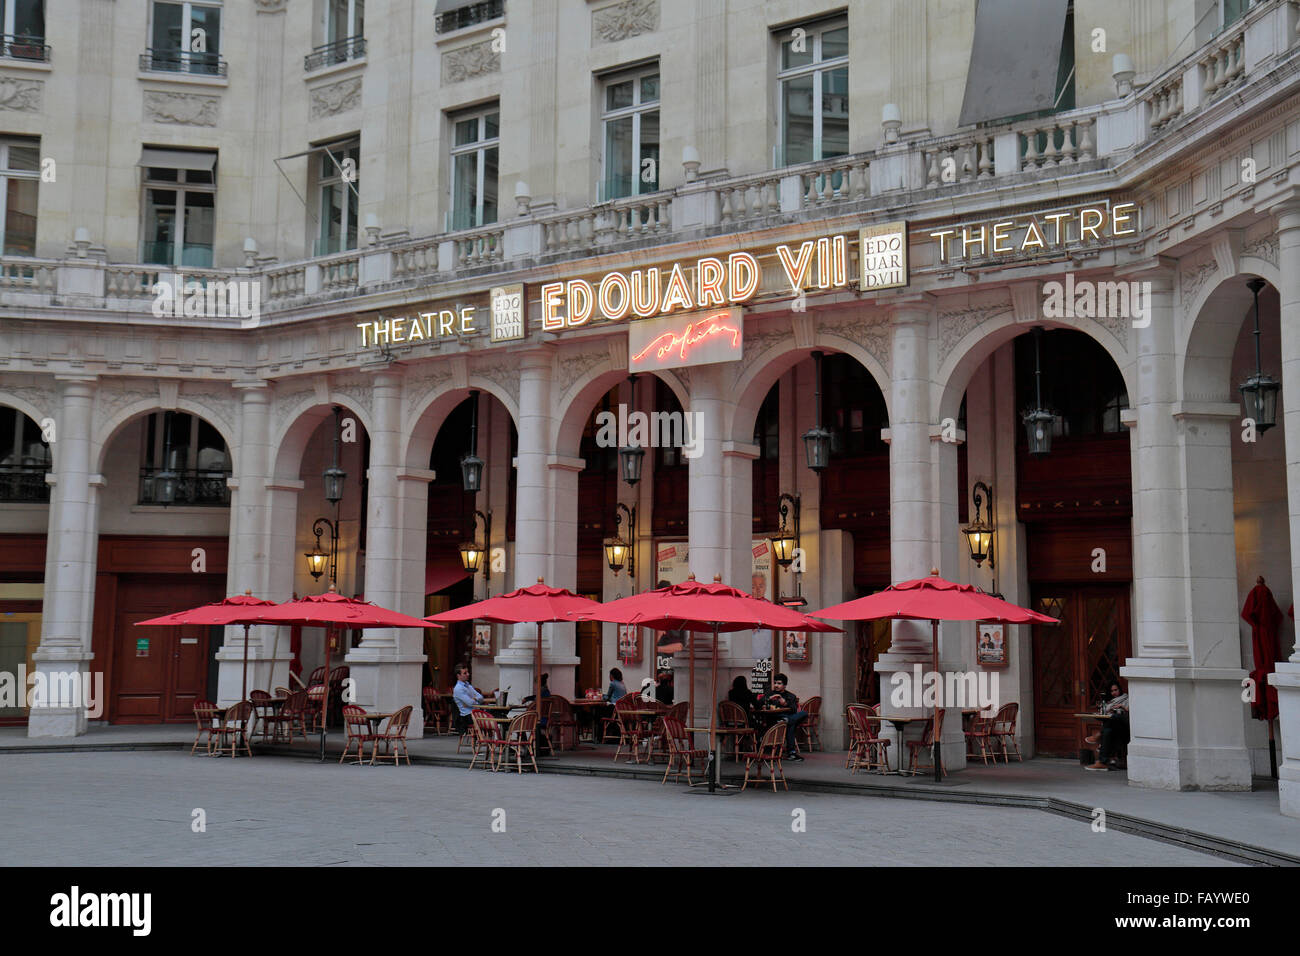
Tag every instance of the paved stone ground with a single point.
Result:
(135, 808)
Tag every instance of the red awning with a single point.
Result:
(442, 569)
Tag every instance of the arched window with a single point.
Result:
(192, 448)
(24, 458)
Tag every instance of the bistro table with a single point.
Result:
(587, 711)
(267, 708)
(900, 725)
(720, 734)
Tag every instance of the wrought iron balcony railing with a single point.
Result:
(469, 14)
(340, 51)
(181, 61)
(24, 483)
(194, 487)
(24, 47)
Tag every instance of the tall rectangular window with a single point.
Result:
(20, 178)
(630, 122)
(813, 93)
(24, 29)
(340, 33)
(474, 155)
(339, 180)
(186, 37)
(180, 200)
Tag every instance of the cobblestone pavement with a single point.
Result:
(114, 809)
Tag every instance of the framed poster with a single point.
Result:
(672, 562)
(796, 647)
(990, 646)
(629, 643)
(761, 583)
(482, 640)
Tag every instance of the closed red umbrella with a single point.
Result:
(239, 609)
(694, 606)
(933, 599)
(332, 610)
(1263, 615)
(537, 603)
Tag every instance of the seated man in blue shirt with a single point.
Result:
(466, 697)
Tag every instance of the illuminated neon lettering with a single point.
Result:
(645, 292)
(709, 276)
(694, 333)
(796, 270)
(615, 280)
(677, 292)
(743, 276)
(580, 302)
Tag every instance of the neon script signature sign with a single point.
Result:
(695, 333)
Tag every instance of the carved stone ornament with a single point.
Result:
(336, 98)
(181, 109)
(955, 326)
(623, 20)
(1192, 280)
(573, 366)
(420, 390)
(23, 96)
(1264, 248)
(112, 397)
(872, 334)
(270, 6)
(467, 62)
(505, 376)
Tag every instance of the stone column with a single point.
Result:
(535, 507)
(1184, 681)
(561, 650)
(247, 564)
(71, 545)
(387, 666)
(913, 512)
(1287, 676)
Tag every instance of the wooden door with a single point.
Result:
(1076, 662)
(159, 672)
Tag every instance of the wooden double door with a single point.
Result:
(159, 672)
(1075, 663)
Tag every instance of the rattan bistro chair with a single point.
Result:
(1004, 730)
(811, 728)
(235, 726)
(731, 716)
(867, 750)
(205, 715)
(681, 754)
(980, 740)
(358, 730)
(393, 738)
(768, 753)
(521, 741)
(925, 745)
(485, 739)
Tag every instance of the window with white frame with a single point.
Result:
(24, 29)
(190, 447)
(474, 154)
(338, 195)
(185, 37)
(630, 126)
(180, 205)
(813, 92)
(20, 178)
(1230, 11)
(340, 33)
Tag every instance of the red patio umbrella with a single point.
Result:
(535, 604)
(1263, 615)
(933, 599)
(240, 609)
(332, 611)
(694, 606)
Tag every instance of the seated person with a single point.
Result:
(780, 697)
(546, 691)
(742, 695)
(1114, 732)
(467, 697)
(664, 687)
(616, 686)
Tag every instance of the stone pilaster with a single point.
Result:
(72, 543)
(535, 506)
(1287, 676)
(387, 665)
(1184, 682)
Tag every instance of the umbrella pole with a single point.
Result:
(243, 686)
(537, 673)
(714, 777)
(938, 749)
(275, 649)
(325, 695)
